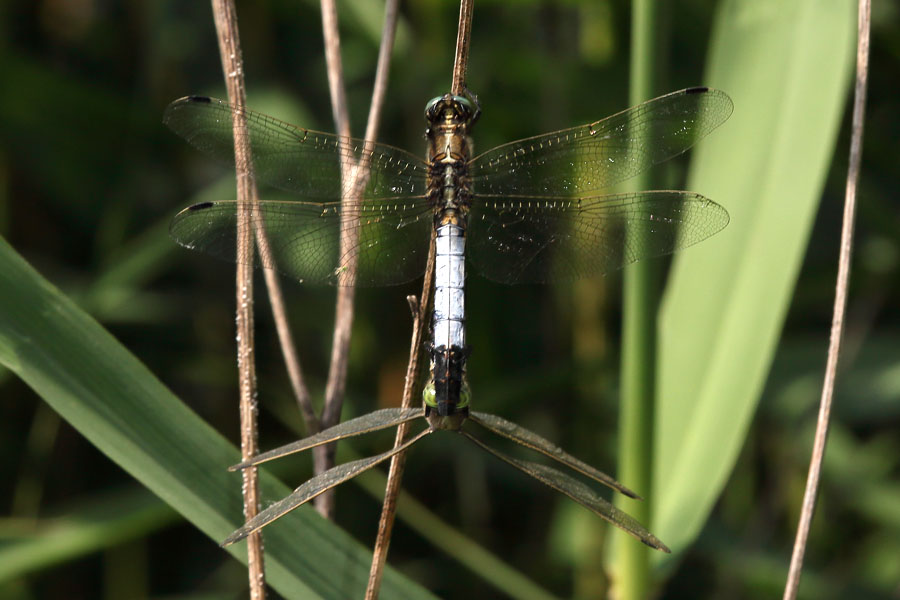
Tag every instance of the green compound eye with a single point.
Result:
(429, 395)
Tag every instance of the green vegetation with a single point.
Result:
(89, 179)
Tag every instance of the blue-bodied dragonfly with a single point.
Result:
(527, 211)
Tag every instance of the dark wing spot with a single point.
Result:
(201, 205)
(697, 90)
(204, 99)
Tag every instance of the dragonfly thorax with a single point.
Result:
(450, 119)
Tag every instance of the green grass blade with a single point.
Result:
(94, 383)
(786, 66)
(28, 545)
(640, 303)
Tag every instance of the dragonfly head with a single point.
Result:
(450, 108)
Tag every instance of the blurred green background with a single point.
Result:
(89, 179)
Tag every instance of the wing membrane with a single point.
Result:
(530, 439)
(536, 240)
(580, 493)
(373, 421)
(523, 226)
(303, 238)
(586, 159)
(320, 483)
(297, 160)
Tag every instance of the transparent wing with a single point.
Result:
(580, 493)
(535, 240)
(586, 159)
(302, 239)
(322, 482)
(373, 421)
(297, 160)
(530, 439)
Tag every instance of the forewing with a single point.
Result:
(297, 160)
(302, 239)
(537, 240)
(589, 158)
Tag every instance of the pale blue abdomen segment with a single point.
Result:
(449, 293)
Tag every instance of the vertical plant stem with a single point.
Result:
(282, 327)
(335, 68)
(354, 176)
(323, 456)
(225, 16)
(286, 341)
(461, 59)
(398, 462)
(840, 305)
(631, 580)
(420, 320)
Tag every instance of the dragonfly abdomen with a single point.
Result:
(449, 293)
(449, 350)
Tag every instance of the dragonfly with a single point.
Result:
(529, 211)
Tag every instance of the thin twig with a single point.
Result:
(285, 339)
(282, 327)
(323, 456)
(840, 305)
(398, 462)
(225, 17)
(335, 68)
(382, 69)
(461, 60)
(353, 177)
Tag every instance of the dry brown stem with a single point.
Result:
(354, 177)
(282, 327)
(398, 462)
(461, 60)
(840, 306)
(225, 17)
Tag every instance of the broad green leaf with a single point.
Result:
(114, 401)
(787, 67)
